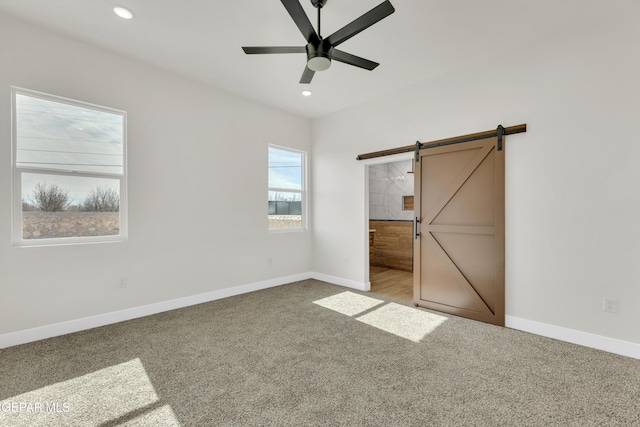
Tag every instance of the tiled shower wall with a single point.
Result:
(387, 184)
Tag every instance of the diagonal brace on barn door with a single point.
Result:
(461, 279)
(453, 188)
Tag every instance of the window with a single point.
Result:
(286, 188)
(69, 171)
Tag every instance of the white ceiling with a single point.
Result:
(202, 39)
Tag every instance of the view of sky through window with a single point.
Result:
(56, 136)
(285, 169)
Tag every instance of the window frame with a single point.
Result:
(18, 171)
(302, 191)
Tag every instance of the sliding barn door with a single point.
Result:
(459, 241)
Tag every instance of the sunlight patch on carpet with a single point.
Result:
(117, 393)
(403, 321)
(349, 303)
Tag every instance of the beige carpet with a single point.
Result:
(310, 353)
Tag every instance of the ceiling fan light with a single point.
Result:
(318, 63)
(122, 12)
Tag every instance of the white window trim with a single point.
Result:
(303, 192)
(17, 171)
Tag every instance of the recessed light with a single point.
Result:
(122, 12)
(306, 93)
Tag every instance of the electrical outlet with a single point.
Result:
(122, 282)
(610, 305)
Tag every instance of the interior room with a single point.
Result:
(234, 281)
(391, 229)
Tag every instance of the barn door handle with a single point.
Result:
(416, 228)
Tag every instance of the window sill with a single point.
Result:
(286, 230)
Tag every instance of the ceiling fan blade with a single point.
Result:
(273, 49)
(301, 19)
(350, 59)
(365, 21)
(307, 75)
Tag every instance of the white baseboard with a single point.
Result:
(361, 286)
(56, 329)
(612, 345)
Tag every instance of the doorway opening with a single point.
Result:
(390, 222)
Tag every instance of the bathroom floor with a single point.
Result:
(392, 283)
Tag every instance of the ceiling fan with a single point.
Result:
(320, 51)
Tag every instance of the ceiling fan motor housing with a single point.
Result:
(319, 57)
(318, 3)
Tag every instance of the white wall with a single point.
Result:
(572, 203)
(197, 187)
